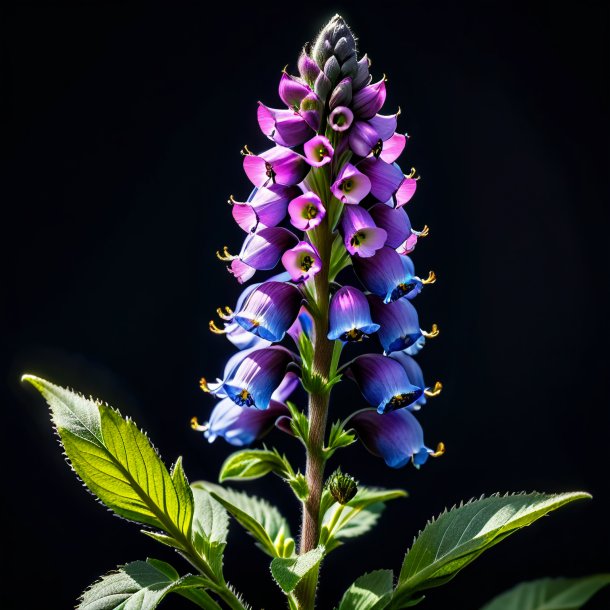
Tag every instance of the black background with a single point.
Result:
(123, 126)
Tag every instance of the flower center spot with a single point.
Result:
(353, 335)
(401, 400)
(347, 185)
(310, 211)
(307, 263)
(357, 238)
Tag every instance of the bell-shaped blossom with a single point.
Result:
(395, 222)
(360, 235)
(383, 382)
(270, 310)
(363, 138)
(306, 211)
(351, 186)
(261, 251)
(388, 275)
(302, 261)
(392, 148)
(284, 127)
(385, 178)
(399, 324)
(341, 118)
(216, 388)
(278, 165)
(350, 316)
(318, 151)
(292, 90)
(265, 206)
(367, 102)
(252, 382)
(384, 124)
(416, 376)
(303, 325)
(397, 437)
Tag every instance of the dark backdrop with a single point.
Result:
(123, 127)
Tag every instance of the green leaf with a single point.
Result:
(117, 462)
(550, 594)
(252, 464)
(298, 484)
(298, 422)
(141, 585)
(338, 438)
(369, 592)
(262, 520)
(289, 572)
(460, 535)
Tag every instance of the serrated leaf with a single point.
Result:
(550, 594)
(289, 572)
(262, 520)
(140, 585)
(117, 462)
(371, 591)
(460, 535)
(339, 438)
(298, 484)
(251, 464)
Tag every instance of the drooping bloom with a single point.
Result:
(383, 382)
(397, 437)
(318, 151)
(394, 221)
(284, 127)
(350, 316)
(388, 275)
(302, 261)
(367, 102)
(385, 178)
(360, 235)
(351, 186)
(270, 310)
(398, 321)
(254, 379)
(278, 165)
(265, 206)
(306, 211)
(416, 377)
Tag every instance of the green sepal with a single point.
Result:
(298, 483)
(287, 573)
(299, 423)
(338, 438)
(458, 536)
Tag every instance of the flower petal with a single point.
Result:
(399, 324)
(350, 316)
(369, 100)
(351, 186)
(385, 178)
(302, 261)
(395, 222)
(306, 211)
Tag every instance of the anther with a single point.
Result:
(231, 200)
(227, 314)
(431, 279)
(423, 233)
(217, 331)
(435, 391)
(226, 256)
(440, 450)
(203, 384)
(195, 425)
(245, 151)
(434, 332)
(413, 175)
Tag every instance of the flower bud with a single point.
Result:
(363, 76)
(332, 69)
(350, 67)
(322, 86)
(342, 487)
(343, 49)
(308, 69)
(335, 30)
(342, 94)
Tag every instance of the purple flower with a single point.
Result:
(217, 388)
(284, 127)
(306, 211)
(252, 382)
(384, 125)
(265, 206)
(392, 148)
(388, 275)
(350, 316)
(270, 310)
(363, 138)
(397, 437)
(277, 165)
(367, 102)
(302, 261)
(261, 251)
(416, 377)
(303, 325)
(318, 151)
(308, 68)
(399, 324)
(408, 245)
(395, 222)
(405, 191)
(341, 118)
(385, 178)
(341, 95)
(383, 382)
(292, 90)
(351, 186)
(360, 235)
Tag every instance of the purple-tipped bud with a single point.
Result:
(342, 94)
(322, 86)
(343, 49)
(292, 90)
(306, 211)
(360, 235)
(308, 68)
(327, 40)
(302, 262)
(332, 69)
(350, 67)
(270, 310)
(350, 316)
(341, 118)
(362, 77)
(318, 151)
(368, 101)
(351, 186)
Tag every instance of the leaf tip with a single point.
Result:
(37, 382)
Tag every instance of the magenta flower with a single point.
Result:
(341, 118)
(360, 235)
(284, 127)
(318, 151)
(277, 165)
(302, 261)
(351, 186)
(265, 206)
(367, 102)
(385, 178)
(293, 91)
(405, 191)
(395, 222)
(306, 211)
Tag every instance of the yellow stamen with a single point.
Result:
(440, 450)
(423, 233)
(225, 256)
(284, 69)
(195, 425)
(245, 151)
(434, 332)
(431, 279)
(231, 200)
(399, 112)
(215, 329)
(435, 391)
(227, 314)
(385, 78)
(203, 384)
